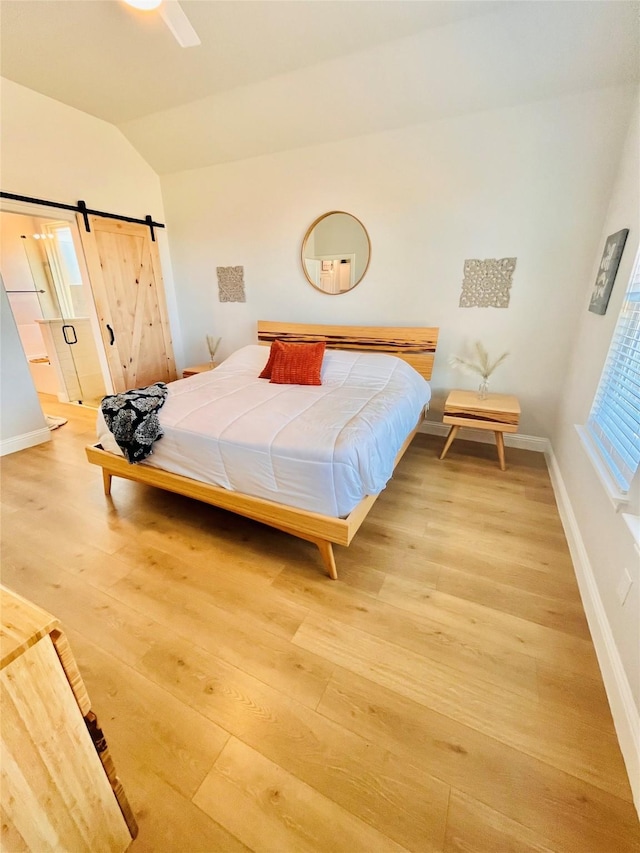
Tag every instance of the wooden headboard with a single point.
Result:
(414, 344)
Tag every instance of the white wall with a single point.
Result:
(607, 542)
(22, 423)
(530, 182)
(58, 153)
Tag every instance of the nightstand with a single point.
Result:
(498, 412)
(198, 368)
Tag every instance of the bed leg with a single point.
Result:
(106, 480)
(326, 552)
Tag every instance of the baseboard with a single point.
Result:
(485, 436)
(27, 439)
(626, 717)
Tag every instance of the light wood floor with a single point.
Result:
(443, 695)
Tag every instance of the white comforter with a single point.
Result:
(320, 448)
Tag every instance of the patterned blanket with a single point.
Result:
(132, 419)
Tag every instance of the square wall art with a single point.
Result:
(231, 284)
(487, 284)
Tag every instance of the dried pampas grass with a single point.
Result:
(480, 364)
(212, 345)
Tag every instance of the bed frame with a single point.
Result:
(414, 345)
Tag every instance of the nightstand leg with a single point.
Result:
(452, 434)
(500, 446)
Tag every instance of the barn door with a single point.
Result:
(126, 280)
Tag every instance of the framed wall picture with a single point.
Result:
(607, 271)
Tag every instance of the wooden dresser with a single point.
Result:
(59, 786)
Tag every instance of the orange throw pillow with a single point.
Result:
(298, 364)
(266, 370)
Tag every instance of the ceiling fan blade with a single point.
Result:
(173, 16)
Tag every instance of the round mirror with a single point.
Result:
(336, 252)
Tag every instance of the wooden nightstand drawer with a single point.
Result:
(198, 368)
(496, 411)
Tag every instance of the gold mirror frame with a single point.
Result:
(304, 243)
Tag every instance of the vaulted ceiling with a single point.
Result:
(272, 75)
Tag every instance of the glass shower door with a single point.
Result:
(65, 324)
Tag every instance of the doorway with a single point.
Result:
(52, 305)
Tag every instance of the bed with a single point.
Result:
(307, 460)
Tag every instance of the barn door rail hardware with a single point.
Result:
(82, 208)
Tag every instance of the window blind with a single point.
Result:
(614, 422)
